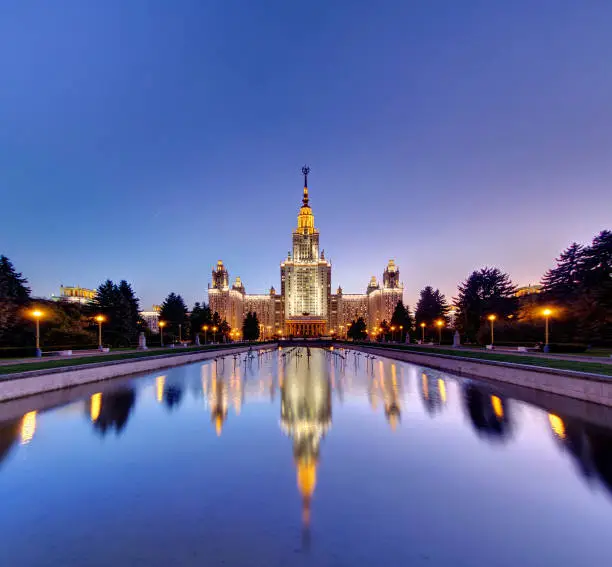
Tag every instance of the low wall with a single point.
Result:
(580, 385)
(39, 381)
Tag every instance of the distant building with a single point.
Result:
(75, 294)
(305, 305)
(151, 318)
(528, 290)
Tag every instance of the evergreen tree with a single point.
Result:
(14, 297)
(120, 307)
(250, 327)
(174, 312)
(431, 307)
(357, 330)
(593, 306)
(401, 318)
(485, 292)
(562, 283)
(200, 316)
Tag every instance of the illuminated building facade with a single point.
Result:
(75, 294)
(305, 305)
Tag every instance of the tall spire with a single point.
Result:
(305, 171)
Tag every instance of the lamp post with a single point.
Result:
(401, 332)
(439, 324)
(422, 333)
(393, 333)
(214, 330)
(100, 320)
(180, 335)
(161, 324)
(205, 329)
(342, 335)
(547, 313)
(491, 319)
(37, 314)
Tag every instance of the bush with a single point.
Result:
(567, 347)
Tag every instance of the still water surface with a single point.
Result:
(286, 459)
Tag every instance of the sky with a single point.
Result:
(145, 140)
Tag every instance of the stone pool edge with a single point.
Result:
(41, 381)
(584, 386)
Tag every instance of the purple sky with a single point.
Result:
(146, 140)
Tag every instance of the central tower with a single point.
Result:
(306, 277)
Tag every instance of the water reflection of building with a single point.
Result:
(433, 391)
(589, 445)
(386, 385)
(218, 401)
(488, 413)
(306, 418)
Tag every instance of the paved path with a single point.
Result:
(79, 354)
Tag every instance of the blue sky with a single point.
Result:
(147, 140)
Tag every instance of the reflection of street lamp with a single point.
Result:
(214, 330)
(491, 319)
(37, 314)
(205, 329)
(440, 324)
(161, 324)
(422, 333)
(100, 320)
(547, 313)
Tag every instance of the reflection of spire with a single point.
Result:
(306, 481)
(306, 417)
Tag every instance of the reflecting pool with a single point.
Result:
(297, 457)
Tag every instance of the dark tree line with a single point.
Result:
(250, 327)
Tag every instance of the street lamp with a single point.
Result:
(393, 332)
(401, 328)
(205, 329)
(180, 335)
(491, 319)
(439, 324)
(37, 314)
(100, 319)
(422, 333)
(547, 313)
(161, 324)
(214, 330)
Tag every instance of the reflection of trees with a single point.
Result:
(9, 433)
(488, 413)
(173, 394)
(115, 408)
(589, 445)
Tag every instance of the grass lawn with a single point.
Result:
(44, 364)
(593, 367)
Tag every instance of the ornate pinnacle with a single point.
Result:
(305, 171)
